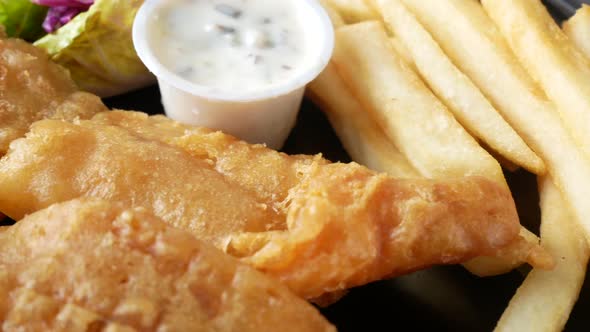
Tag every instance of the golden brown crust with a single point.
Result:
(349, 226)
(270, 173)
(87, 159)
(23, 67)
(317, 226)
(90, 264)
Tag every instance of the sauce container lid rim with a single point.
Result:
(320, 59)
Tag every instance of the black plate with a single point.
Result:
(566, 8)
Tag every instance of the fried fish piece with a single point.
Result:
(89, 265)
(23, 67)
(318, 227)
(267, 173)
(255, 166)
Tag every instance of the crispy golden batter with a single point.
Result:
(317, 226)
(92, 265)
(25, 68)
(268, 174)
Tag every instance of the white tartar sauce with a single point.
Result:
(230, 44)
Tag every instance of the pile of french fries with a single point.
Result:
(446, 88)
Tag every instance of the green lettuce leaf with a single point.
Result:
(97, 48)
(22, 19)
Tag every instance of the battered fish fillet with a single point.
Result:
(316, 226)
(95, 266)
(25, 68)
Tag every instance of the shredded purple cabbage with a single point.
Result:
(62, 11)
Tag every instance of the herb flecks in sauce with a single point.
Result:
(249, 44)
(186, 72)
(225, 29)
(228, 10)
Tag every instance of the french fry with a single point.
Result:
(403, 52)
(490, 266)
(367, 144)
(360, 135)
(545, 299)
(460, 95)
(550, 58)
(413, 118)
(354, 11)
(362, 138)
(577, 28)
(472, 41)
(415, 121)
(506, 164)
(335, 17)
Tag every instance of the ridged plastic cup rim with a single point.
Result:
(325, 33)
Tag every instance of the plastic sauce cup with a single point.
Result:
(264, 116)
